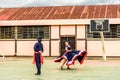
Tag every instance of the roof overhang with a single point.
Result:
(54, 22)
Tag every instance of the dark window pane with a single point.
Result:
(114, 32)
(33, 32)
(7, 32)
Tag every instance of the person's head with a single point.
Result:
(66, 43)
(39, 39)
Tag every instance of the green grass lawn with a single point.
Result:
(23, 69)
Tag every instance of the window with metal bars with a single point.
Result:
(7, 32)
(32, 32)
(114, 32)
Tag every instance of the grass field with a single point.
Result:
(23, 69)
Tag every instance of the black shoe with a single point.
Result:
(61, 68)
(68, 68)
(37, 73)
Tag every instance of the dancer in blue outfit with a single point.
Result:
(37, 58)
(70, 56)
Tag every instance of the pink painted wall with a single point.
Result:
(55, 48)
(7, 47)
(26, 48)
(111, 47)
(54, 32)
(55, 43)
(53, 22)
(46, 48)
(81, 32)
(94, 48)
(67, 30)
(80, 45)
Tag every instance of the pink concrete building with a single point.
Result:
(19, 28)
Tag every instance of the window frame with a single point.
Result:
(12, 32)
(34, 31)
(109, 39)
(16, 32)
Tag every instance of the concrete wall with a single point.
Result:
(55, 48)
(80, 45)
(25, 48)
(54, 32)
(111, 47)
(55, 40)
(52, 46)
(67, 30)
(80, 37)
(94, 48)
(7, 47)
(81, 32)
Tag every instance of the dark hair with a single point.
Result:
(39, 39)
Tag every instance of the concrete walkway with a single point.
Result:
(23, 69)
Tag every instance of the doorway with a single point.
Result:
(70, 39)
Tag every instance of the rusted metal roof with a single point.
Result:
(60, 12)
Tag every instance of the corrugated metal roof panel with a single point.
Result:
(103, 12)
(84, 13)
(109, 12)
(97, 12)
(60, 12)
(114, 11)
(76, 11)
(118, 11)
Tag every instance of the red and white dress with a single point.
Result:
(72, 56)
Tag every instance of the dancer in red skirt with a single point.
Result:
(70, 56)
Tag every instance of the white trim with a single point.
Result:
(54, 22)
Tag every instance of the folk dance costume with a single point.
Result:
(37, 57)
(72, 56)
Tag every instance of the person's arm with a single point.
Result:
(66, 48)
(35, 47)
(41, 48)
